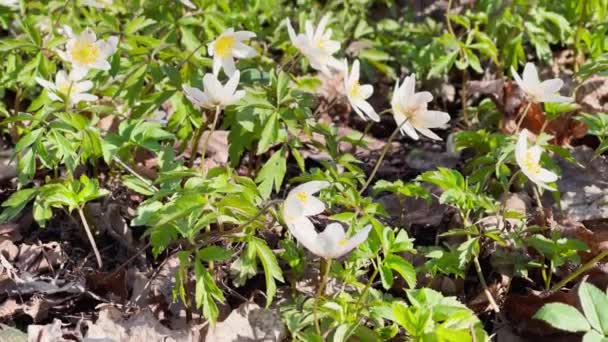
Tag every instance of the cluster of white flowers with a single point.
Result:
(224, 49)
(329, 244)
(84, 52)
(409, 108)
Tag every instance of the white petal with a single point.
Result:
(557, 99)
(53, 96)
(212, 85)
(535, 153)
(83, 97)
(409, 87)
(78, 72)
(431, 119)
(228, 65)
(291, 32)
(354, 73)
(368, 109)
(321, 28)
(81, 87)
(68, 32)
(195, 95)
(366, 91)
(238, 95)
(546, 176)
(244, 35)
(354, 241)
(521, 147)
(243, 51)
(46, 84)
(422, 98)
(88, 36)
(530, 75)
(310, 188)
(517, 79)
(188, 4)
(304, 232)
(217, 64)
(330, 239)
(428, 133)
(408, 129)
(232, 83)
(552, 86)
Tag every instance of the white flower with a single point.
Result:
(329, 244)
(528, 160)
(85, 52)
(228, 46)
(98, 3)
(300, 201)
(537, 91)
(316, 45)
(358, 94)
(74, 91)
(215, 94)
(188, 4)
(13, 4)
(411, 113)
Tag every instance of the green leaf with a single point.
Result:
(271, 267)
(404, 268)
(443, 64)
(269, 134)
(214, 253)
(594, 336)
(595, 306)
(272, 173)
(563, 317)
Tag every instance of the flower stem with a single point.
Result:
(134, 173)
(319, 294)
(382, 155)
(484, 285)
(208, 137)
(590, 264)
(194, 144)
(521, 119)
(90, 236)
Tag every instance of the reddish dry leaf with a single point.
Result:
(519, 310)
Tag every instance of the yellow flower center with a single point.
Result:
(355, 90)
(302, 196)
(530, 164)
(342, 242)
(224, 46)
(85, 53)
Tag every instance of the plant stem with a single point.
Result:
(208, 137)
(363, 295)
(482, 280)
(590, 264)
(463, 98)
(521, 119)
(90, 236)
(319, 294)
(134, 173)
(194, 144)
(382, 155)
(539, 204)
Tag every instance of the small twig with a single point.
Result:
(523, 116)
(382, 155)
(90, 236)
(590, 264)
(133, 257)
(134, 173)
(484, 285)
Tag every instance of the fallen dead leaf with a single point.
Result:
(141, 327)
(249, 322)
(45, 333)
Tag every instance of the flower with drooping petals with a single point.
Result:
(537, 91)
(85, 52)
(226, 47)
(316, 45)
(73, 91)
(358, 94)
(98, 3)
(332, 243)
(300, 201)
(528, 160)
(215, 94)
(411, 112)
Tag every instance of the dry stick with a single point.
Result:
(484, 285)
(134, 173)
(590, 264)
(320, 292)
(90, 236)
(521, 120)
(382, 155)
